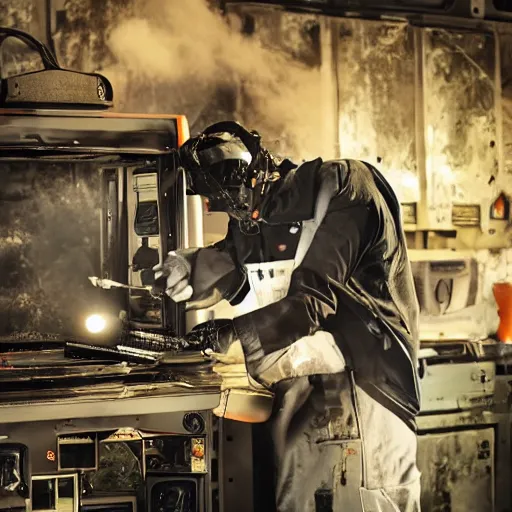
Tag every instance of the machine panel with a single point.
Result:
(451, 387)
(457, 471)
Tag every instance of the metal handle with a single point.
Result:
(49, 60)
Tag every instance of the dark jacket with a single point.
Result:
(355, 280)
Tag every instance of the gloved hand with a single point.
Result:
(232, 368)
(173, 275)
(236, 380)
(222, 338)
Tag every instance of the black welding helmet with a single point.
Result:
(227, 165)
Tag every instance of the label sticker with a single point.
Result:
(197, 459)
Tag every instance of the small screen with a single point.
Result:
(44, 496)
(179, 495)
(78, 452)
(10, 473)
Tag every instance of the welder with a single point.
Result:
(316, 267)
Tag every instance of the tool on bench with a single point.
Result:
(108, 284)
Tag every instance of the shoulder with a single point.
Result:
(353, 179)
(318, 174)
(345, 167)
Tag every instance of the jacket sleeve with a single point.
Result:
(215, 273)
(345, 232)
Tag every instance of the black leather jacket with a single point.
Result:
(355, 280)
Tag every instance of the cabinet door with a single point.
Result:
(457, 471)
(173, 229)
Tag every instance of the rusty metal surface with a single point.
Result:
(375, 62)
(93, 134)
(457, 471)
(52, 387)
(150, 400)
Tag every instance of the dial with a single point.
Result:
(193, 423)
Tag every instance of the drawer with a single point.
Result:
(456, 386)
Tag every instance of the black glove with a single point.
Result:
(216, 335)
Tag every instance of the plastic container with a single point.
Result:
(503, 295)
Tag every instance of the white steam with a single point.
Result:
(174, 56)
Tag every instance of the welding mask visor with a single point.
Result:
(220, 167)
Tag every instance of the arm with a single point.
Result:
(203, 276)
(215, 272)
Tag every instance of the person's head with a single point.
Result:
(227, 164)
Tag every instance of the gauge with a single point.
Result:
(193, 423)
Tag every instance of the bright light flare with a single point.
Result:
(95, 324)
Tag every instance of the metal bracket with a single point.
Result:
(477, 8)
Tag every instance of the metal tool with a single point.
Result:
(108, 284)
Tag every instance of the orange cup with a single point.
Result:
(503, 296)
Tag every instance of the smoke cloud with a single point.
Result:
(49, 245)
(185, 57)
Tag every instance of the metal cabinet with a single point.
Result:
(456, 437)
(457, 471)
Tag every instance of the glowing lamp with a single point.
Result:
(95, 324)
